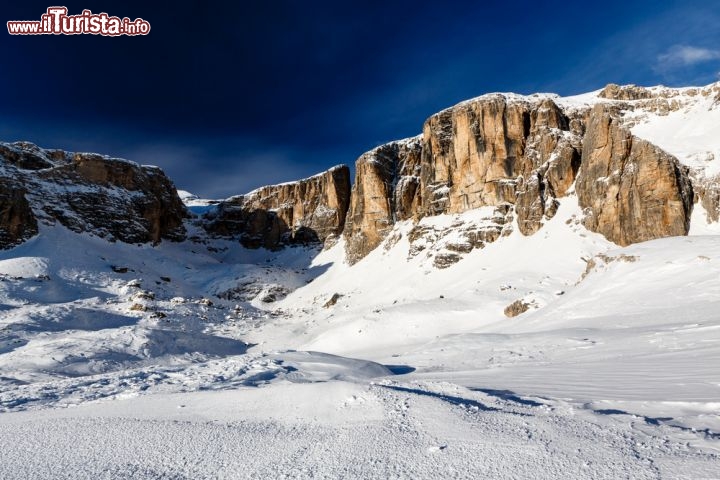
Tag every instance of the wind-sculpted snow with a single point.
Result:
(334, 430)
(412, 372)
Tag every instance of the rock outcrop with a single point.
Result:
(523, 154)
(474, 154)
(446, 244)
(709, 192)
(111, 198)
(307, 211)
(613, 91)
(385, 191)
(631, 190)
(17, 222)
(516, 308)
(495, 151)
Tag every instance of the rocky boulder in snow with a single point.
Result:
(516, 308)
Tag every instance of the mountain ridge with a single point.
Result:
(520, 154)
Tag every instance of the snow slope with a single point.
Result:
(690, 133)
(610, 376)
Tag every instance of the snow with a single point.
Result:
(170, 361)
(196, 205)
(700, 223)
(414, 371)
(690, 133)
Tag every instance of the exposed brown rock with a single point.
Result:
(553, 153)
(632, 191)
(625, 92)
(516, 308)
(491, 151)
(448, 245)
(601, 260)
(475, 153)
(17, 222)
(531, 202)
(254, 228)
(333, 300)
(709, 192)
(657, 100)
(445, 259)
(306, 211)
(107, 197)
(472, 154)
(120, 199)
(385, 191)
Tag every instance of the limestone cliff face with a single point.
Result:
(124, 200)
(306, 211)
(632, 190)
(493, 151)
(475, 153)
(472, 154)
(112, 198)
(551, 159)
(385, 190)
(522, 155)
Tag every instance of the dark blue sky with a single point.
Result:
(228, 96)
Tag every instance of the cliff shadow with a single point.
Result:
(257, 228)
(274, 260)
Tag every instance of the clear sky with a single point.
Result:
(228, 96)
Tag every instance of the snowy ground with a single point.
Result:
(114, 373)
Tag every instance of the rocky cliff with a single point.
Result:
(632, 191)
(306, 211)
(108, 197)
(385, 191)
(497, 151)
(509, 158)
(522, 155)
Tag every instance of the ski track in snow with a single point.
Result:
(615, 378)
(388, 430)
